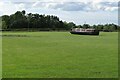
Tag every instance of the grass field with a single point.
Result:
(0, 56)
(59, 55)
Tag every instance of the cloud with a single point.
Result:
(110, 4)
(69, 6)
(78, 6)
(62, 5)
(11, 7)
(20, 6)
(90, 6)
(6, 8)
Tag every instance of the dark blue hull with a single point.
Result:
(85, 33)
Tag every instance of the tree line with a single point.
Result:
(20, 21)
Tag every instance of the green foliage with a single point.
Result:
(4, 25)
(86, 26)
(21, 20)
(19, 24)
(5, 21)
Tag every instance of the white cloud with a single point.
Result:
(20, 6)
(77, 5)
(6, 8)
(10, 7)
(111, 8)
(65, 5)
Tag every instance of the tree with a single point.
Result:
(80, 26)
(20, 20)
(113, 27)
(19, 24)
(4, 25)
(5, 21)
(100, 27)
(86, 26)
(23, 12)
(106, 28)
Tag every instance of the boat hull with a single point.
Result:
(85, 33)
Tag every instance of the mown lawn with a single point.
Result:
(59, 55)
(0, 56)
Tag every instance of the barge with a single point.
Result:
(82, 31)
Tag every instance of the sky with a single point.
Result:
(77, 11)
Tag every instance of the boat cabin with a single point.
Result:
(82, 31)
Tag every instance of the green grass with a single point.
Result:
(0, 56)
(60, 55)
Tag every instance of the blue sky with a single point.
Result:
(79, 11)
